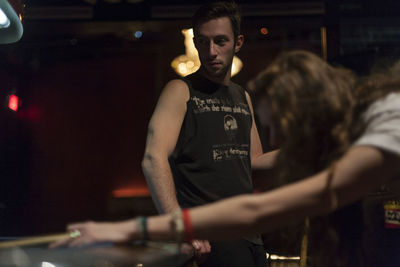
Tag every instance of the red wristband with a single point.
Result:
(188, 226)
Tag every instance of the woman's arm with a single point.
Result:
(361, 170)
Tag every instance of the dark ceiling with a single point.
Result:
(156, 9)
(175, 9)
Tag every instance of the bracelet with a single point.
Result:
(142, 226)
(188, 226)
(177, 226)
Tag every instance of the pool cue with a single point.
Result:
(33, 240)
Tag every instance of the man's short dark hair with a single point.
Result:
(218, 10)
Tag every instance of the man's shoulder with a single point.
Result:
(238, 89)
(234, 84)
(194, 78)
(189, 80)
(176, 85)
(177, 89)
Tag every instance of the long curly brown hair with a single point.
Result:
(312, 105)
(313, 108)
(317, 111)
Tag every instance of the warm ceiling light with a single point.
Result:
(237, 65)
(190, 62)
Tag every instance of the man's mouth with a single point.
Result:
(215, 64)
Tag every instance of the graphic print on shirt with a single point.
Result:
(230, 126)
(232, 149)
(218, 105)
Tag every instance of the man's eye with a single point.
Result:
(220, 41)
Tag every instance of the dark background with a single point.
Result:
(88, 87)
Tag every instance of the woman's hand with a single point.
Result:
(83, 234)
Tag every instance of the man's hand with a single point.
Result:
(199, 249)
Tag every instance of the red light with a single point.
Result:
(13, 102)
(264, 31)
(131, 192)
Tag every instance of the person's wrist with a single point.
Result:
(187, 225)
(177, 226)
(141, 224)
(131, 229)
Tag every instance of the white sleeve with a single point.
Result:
(383, 124)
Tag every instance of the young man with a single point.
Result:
(202, 140)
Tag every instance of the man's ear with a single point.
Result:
(239, 43)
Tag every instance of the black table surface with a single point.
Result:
(101, 255)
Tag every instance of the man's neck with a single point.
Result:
(224, 79)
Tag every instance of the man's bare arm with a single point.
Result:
(163, 133)
(164, 128)
(259, 160)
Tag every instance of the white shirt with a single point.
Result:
(383, 124)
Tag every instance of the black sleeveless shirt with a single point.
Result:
(211, 160)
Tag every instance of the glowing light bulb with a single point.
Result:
(4, 21)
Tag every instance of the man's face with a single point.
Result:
(216, 45)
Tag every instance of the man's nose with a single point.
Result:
(212, 50)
